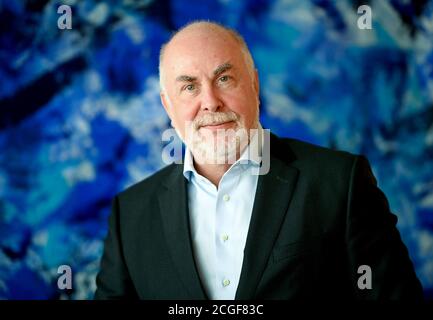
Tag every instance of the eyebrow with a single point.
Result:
(219, 70)
(184, 78)
(222, 68)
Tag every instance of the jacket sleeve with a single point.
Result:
(373, 240)
(113, 281)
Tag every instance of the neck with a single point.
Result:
(213, 172)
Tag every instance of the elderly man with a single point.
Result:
(314, 225)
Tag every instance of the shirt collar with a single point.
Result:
(188, 164)
(252, 155)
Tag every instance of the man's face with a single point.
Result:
(208, 86)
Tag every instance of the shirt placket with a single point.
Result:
(226, 277)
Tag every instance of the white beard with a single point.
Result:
(222, 146)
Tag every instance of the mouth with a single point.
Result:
(222, 125)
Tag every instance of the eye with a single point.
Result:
(189, 87)
(224, 79)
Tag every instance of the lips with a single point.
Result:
(217, 125)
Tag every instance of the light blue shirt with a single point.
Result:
(220, 218)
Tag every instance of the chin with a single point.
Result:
(216, 153)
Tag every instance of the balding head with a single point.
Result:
(199, 30)
(208, 83)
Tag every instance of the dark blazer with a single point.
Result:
(318, 215)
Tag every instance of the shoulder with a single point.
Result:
(149, 186)
(318, 161)
(305, 151)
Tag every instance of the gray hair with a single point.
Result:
(236, 35)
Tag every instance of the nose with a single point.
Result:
(210, 100)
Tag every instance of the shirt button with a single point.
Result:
(226, 282)
(226, 197)
(225, 237)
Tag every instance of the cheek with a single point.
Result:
(185, 113)
(244, 104)
(188, 115)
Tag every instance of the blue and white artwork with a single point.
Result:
(81, 118)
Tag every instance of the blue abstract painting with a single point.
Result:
(81, 118)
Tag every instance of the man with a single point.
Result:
(314, 226)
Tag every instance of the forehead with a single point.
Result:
(201, 51)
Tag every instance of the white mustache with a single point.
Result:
(212, 119)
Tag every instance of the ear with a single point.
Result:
(257, 85)
(256, 82)
(165, 103)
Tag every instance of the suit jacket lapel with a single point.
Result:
(271, 203)
(175, 218)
